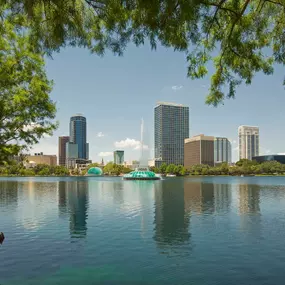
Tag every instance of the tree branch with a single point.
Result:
(220, 8)
(276, 3)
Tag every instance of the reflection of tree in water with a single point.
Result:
(171, 221)
(73, 195)
(8, 193)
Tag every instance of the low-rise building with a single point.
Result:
(275, 157)
(40, 158)
(199, 150)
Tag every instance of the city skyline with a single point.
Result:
(113, 94)
(227, 149)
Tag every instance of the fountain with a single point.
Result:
(142, 172)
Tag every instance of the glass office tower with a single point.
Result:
(119, 157)
(78, 135)
(171, 128)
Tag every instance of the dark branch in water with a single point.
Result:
(2, 237)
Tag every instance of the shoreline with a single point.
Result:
(185, 176)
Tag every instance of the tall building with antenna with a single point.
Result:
(171, 128)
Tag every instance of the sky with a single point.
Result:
(114, 93)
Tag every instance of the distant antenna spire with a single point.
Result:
(142, 130)
(102, 163)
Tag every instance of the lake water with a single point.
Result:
(214, 230)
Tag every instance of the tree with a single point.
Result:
(95, 164)
(108, 168)
(162, 168)
(126, 170)
(26, 110)
(60, 170)
(154, 169)
(239, 38)
(170, 169)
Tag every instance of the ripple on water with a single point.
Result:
(177, 231)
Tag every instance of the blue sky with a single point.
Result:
(114, 93)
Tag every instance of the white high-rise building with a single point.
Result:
(248, 142)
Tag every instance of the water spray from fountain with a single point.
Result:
(143, 172)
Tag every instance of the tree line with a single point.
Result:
(39, 170)
(242, 167)
(18, 169)
(110, 168)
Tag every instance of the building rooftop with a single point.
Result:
(245, 126)
(77, 115)
(199, 137)
(159, 103)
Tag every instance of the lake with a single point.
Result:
(88, 230)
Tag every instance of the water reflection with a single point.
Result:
(222, 197)
(8, 193)
(118, 192)
(62, 205)
(207, 198)
(199, 197)
(73, 195)
(249, 198)
(249, 208)
(171, 220)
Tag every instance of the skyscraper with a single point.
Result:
(78, 135)
(62, 149)
(248, 142)
(222, 150)
(119, 157)
(171, 128)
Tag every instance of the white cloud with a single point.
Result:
(176, 87)
(47, 145)
(32, 126)
(105, 153)
(100, 135)
(281, 153)
(129, 143)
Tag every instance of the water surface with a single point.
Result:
(214, 230)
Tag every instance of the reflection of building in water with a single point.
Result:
(74, 196)
(249, 198)
(222, 197)
(8, 193)
(62, 206)
(250, 218)
(199, 197)
(171, 221)
(118, 192)
(146, 191)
